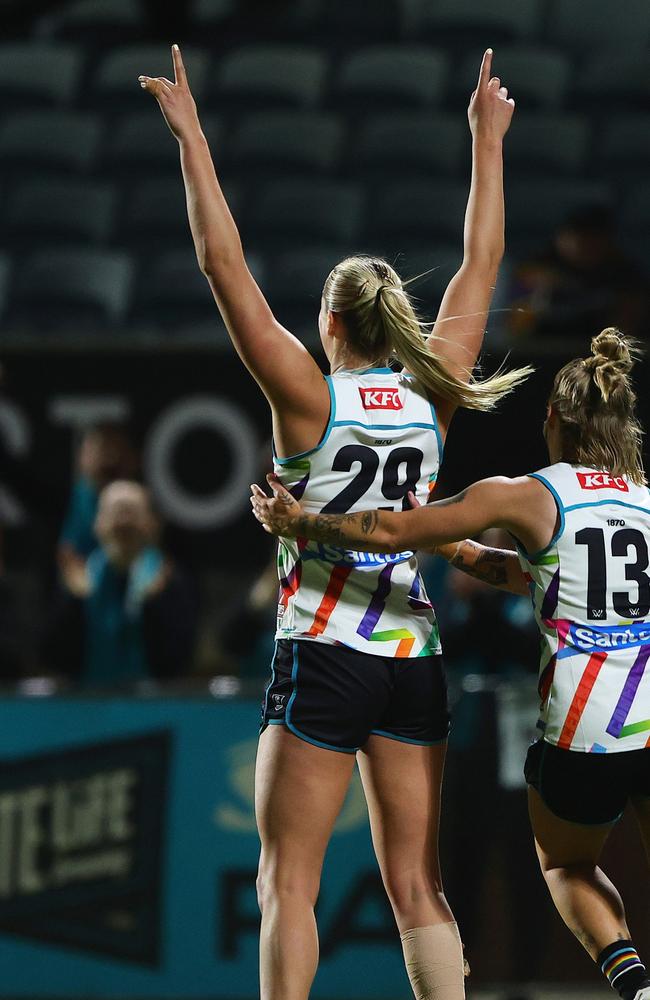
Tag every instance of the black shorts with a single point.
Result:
(587, 788)
(335, 697)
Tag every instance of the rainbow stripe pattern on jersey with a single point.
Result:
(382, 440)
(586, 587)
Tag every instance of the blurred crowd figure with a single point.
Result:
(584, 281)
(106, 453)
(125, 612)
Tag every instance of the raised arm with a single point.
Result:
(458, 332)
(521, 506)
(284, 369)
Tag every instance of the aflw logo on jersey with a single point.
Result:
(380, 399)
(601, 481)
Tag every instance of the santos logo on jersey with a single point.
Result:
(380, 399)
(601, 481)
(589, 638)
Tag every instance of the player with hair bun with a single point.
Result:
(582, 528)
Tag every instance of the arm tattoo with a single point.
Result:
(449, 500)
(488, 566)
(331, 528)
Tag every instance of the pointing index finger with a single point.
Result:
(485, 70)
(179, 69)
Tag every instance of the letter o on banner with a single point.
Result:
(188, 510)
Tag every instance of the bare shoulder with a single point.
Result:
(529, 511)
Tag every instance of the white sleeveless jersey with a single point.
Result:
(591, 595)
(382, 440)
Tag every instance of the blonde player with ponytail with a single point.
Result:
(357, 671)
(583, 531)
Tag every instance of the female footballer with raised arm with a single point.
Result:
(357, 663)
(583, 531)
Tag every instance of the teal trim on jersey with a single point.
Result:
(328, 430)
(532, 558)
(370, 371)
(436, 427)
(287, 714)
(382, 427)
(405, 739)
(608, 503)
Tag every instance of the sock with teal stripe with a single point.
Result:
(624, 970)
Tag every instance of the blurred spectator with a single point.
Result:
(125, 613)
(105, 454)
(582, 283)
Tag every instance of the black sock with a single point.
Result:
(624, 970)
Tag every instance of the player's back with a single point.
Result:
(592, 601)
(382, 441)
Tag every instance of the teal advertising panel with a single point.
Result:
(128, 854)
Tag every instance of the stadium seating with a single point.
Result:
(280, 76)
(599, 24)
(155, 215)
(537, 205)
(295, 141)
(75, 290)
(173, 293)
(402, 217)
(623, 147)
(141, 141)
(49, 141)
(58, 211)
(305, 212)
(411, 143)
(536, 77)
(355, 23)
(558, 142)
(386, 76)
(34, 75)
(610, 81)
(99, 22)
(483, 24)
(115, 87)
(294, 284)
(242, 21)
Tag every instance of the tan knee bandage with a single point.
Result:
(434, 962)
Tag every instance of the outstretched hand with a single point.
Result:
(175, 99)
(279, 514)
(490, 109)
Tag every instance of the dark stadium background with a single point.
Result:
(336, 126)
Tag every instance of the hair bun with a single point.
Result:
(611, 347)
(612, 361)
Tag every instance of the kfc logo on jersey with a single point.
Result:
(380, 399)
(601, 481)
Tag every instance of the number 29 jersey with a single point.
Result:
(382, 440)
(591, 595)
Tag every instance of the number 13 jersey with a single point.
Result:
(591, 595)
(382, 440)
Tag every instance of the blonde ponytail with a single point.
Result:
(595, 403)
(381, 322)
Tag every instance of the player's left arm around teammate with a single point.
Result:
(490, 503)
(498, 567)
